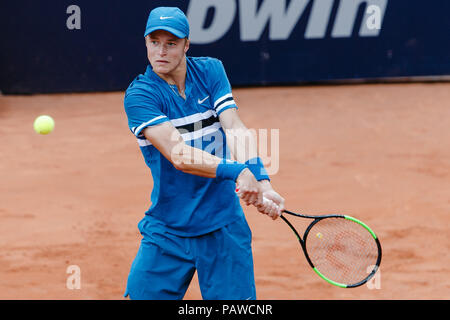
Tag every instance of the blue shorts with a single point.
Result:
(165, 264)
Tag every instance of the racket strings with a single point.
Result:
(342, 250)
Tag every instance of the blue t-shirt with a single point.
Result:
(185, 204)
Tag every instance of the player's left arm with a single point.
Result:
(243, 146)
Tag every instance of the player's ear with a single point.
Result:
(186, 45)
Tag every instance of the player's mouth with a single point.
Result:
(162, 61)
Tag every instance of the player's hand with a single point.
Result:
(275, 206)
(248, 188)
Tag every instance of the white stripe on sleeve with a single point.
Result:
(226, 104)
(138, 129)
(229, 95)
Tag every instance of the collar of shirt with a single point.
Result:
(171, 87)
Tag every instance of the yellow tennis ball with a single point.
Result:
(44, 124)
(319, 235)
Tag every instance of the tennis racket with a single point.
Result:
(341, 249)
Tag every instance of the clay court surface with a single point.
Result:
(378, 152)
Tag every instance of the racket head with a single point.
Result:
(342, 250)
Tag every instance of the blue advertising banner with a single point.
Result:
(81, 46)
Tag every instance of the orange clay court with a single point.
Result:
(378, 152)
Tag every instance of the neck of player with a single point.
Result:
(177, 77)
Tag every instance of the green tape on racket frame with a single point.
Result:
(341, 285)
(362, 224)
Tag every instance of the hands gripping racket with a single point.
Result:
(342, 250)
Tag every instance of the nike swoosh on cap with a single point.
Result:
(163, 18)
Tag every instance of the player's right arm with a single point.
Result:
(167, 139)
(147, 120)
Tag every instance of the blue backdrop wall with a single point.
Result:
(80, 45)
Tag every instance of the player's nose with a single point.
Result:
(162, 51)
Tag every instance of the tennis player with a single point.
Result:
(182, 113)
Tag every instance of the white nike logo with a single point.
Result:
(164, 18)
(201, 101)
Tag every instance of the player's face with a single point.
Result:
(165, 51)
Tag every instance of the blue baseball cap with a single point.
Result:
(171, 19)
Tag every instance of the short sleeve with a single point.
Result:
(142, 110)
(221, 88)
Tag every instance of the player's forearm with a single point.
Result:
(195, 161)
(242, 143)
